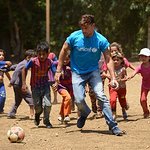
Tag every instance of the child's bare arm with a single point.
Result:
(8, 75)
(131, 66)
(24, 74)
(132, 75)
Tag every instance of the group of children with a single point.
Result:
(120, 66)
(43, 67)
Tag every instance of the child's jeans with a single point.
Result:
(2, 97)
(19, 95)
(42, 100)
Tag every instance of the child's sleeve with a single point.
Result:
(54, 66)
(29, 65)
(2, 63)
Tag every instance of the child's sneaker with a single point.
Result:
(49, 125)
(11, 117)
(67, 119)
(31, 117)
(99, 115)
(146, 115)
(60, 119)
(37, 119)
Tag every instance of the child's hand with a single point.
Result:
(129, 78)
(57, 76)
(8, 63)
(24, 88)
(86, 88)
(54, 86)
(9, 85)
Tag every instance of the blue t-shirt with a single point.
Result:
(86, 51)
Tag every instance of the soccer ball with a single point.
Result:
(15, 134)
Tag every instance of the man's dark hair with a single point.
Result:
(86, 19)
(43, 46)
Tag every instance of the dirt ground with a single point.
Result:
(94, 135)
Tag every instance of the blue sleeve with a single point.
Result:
(29, 65)
(70, 39)
(55, 58)
(2, 64)
(53, 67)
(104, 44)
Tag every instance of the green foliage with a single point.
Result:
(123, 21)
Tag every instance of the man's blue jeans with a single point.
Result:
(93, 78)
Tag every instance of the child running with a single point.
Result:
(3, 64)
(120, 93)
(66, 91)
(144, 70)
(40, 66)
(16, 82)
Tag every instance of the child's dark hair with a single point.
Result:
(119, 47)
(30, 52)
(1, 50)
(120, 56)
(43, 46)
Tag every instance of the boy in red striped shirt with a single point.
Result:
(40, 66)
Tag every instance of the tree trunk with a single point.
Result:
(15, 42)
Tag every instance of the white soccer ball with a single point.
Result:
(15, 134)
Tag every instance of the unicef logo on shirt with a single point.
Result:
(93, 50)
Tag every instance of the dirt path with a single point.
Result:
(94, 136)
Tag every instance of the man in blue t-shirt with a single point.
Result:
(86, 46)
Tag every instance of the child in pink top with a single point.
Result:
(144, 70)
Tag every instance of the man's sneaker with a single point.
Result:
(81, 121)
(67, 119)
(37, 119)
(124, 114)
(49, 125)
(116, 131)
